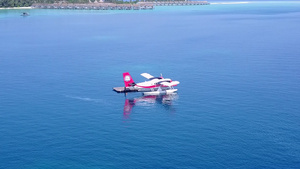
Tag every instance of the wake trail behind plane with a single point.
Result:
(87, 99)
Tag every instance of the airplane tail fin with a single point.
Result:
(128, 80)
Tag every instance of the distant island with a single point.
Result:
(94, 4)
(28, 3)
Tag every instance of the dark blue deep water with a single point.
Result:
(238, 104)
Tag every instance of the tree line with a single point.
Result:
(26, 3)
(15, 3)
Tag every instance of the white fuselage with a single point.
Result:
(154, 83)
(156, 86)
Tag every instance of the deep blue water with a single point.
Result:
(238, 104)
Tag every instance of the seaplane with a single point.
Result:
(154, 85)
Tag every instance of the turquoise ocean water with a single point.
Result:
(238, 104)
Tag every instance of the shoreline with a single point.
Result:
(17, 8)
(113, 6)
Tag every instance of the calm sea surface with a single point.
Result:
(238, 103)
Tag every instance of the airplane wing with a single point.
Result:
(147, 75)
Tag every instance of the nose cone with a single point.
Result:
(175, 83)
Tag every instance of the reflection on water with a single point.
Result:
(164, 100)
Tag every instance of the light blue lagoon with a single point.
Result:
(237, 104)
